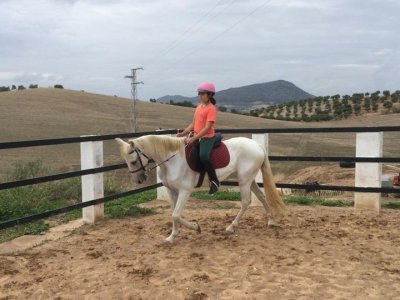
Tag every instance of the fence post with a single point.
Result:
(262, 139)
(92, 185)
(368, 144)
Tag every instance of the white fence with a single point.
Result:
(368, 144)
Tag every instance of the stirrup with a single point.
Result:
(213, 187)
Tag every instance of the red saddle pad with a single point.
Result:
(219, 157)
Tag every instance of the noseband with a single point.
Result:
(142, 167)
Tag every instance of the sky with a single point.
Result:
(323, 46)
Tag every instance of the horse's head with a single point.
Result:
(136, 160)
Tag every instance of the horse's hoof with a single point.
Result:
(168, 241)
(164, 244)
(273, 224)
(229, 231)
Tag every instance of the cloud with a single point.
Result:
(27, 78)
(324, 47)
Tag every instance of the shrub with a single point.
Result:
(4, 88)
(396, 108)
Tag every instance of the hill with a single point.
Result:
(55, 113)
(175, 98)
(248, 97)
(334, 107)
(46, 113)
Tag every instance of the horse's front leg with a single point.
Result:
(176, 216)
(173, 197)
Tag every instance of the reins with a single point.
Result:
(142, 167)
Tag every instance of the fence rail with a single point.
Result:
(37, 180)
(336, 159)
(79, 139)
(65, 209)
(47, 142)
(315, 187)
(312, 130)
(60, 141)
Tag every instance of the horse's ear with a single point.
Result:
(132, 144)
(121, 142)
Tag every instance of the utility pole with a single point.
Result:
(134, 83)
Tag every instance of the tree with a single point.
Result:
(386, 94)
(153, 100)
(375, 105)
(394, 97)
(58, 86)
(387, 104)
(357, 109)
(376, 93)
(33, 86)
(184, 103)
(367, 104)
(328, 107)
(222, 108)
(13, 87)
(21, 87)
(4, 88)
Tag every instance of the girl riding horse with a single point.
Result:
(203, 125)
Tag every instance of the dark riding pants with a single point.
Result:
(206, 145)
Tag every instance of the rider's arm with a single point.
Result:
(188, 129)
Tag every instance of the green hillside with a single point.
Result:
(332, 107)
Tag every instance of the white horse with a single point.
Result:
(247, 157)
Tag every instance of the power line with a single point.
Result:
(240, 20)
(184, 35)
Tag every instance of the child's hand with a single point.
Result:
(180, 134)
(188, 141)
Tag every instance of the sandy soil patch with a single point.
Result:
(320, 253)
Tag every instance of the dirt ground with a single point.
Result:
(319, 253)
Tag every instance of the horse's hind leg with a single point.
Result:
(245, 195)
(259, 194)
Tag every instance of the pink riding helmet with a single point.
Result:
(206, 87)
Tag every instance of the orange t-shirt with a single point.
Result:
(202, 115)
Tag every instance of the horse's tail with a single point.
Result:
(274, 200)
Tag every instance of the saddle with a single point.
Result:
(219, 157)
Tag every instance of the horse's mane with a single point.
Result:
(159, 146)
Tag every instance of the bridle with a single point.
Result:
(149, 160)
(142, 167)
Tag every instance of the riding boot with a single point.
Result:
(214, 182)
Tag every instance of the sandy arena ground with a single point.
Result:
(320, 253)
